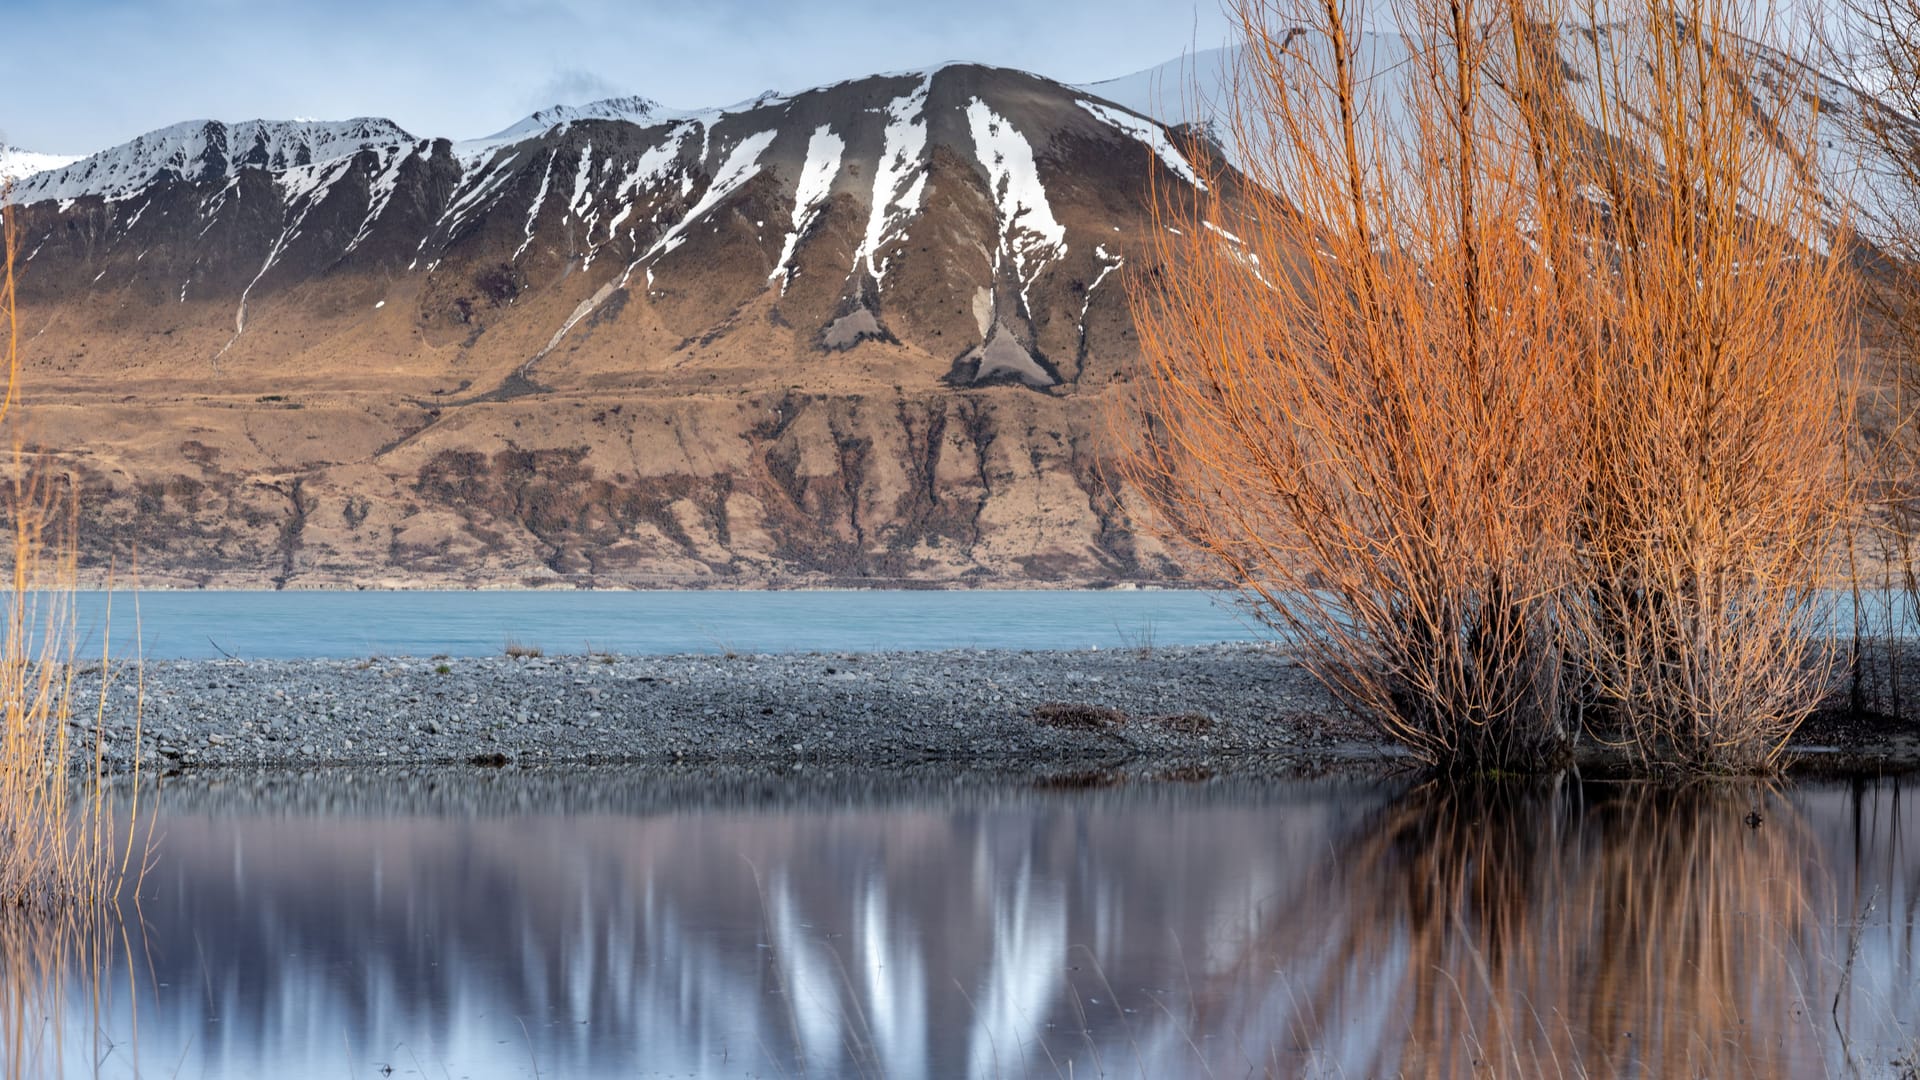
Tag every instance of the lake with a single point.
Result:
(270, 625)
(501, 924)
(190, 624)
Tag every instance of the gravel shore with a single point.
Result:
(981, 707)
(1247, 705)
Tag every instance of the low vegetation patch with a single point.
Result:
(1079, 717)
(1184, 723)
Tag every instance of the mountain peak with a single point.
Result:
(632, 108)
(208, 149)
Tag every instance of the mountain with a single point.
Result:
(869, 331)
(1191, 89)
(16, 164)
(205, 151)
(637, 110)
(1196, 90)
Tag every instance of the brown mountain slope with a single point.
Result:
(867, 332)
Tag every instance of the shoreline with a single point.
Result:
(1178, 708)
(983, 706)
(249, 583)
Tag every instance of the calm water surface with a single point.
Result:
(258, 625)
(502, 925)
(264, 625)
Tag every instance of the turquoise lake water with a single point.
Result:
(266, 625)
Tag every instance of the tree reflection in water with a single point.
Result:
(1554, 929)
(1288, 928)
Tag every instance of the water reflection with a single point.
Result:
(1545, 930)
(606, 927)
(55, 968)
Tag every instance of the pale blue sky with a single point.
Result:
(86, 74)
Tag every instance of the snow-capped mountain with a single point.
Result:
(868, 330)
(1197, 90)
(1183, 91)
(634, 110)
(820, 203)
(207, 151)
(17, 164)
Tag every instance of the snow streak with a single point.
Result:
(1030, 237)
(824, 153)
(899, 179)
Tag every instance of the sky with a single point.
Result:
(95, 73)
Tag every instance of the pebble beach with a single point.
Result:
(973, 706)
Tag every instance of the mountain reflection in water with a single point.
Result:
(478, 926)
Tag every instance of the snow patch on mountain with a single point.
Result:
(899, 178)
(825, 152)
(1153, 135)
(17, 164)
(582, 186)
(1029, 234)
(302, 189)
(539, 200)
(479, 187)
(633, 110)
(385, 183)
(742, 165)
(652, 170)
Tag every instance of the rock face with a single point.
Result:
(872, 331)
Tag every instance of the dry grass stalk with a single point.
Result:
(1355, 404)
(62, 858)
(58, 845)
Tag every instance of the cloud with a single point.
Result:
(572, 86)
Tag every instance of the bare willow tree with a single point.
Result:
(1508, 388)
(1356, 406)
(1875, 45)
(1718, 408)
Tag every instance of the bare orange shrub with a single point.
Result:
(1508, 385)
(1357, 404)
(1876, 44)
(1718, 408)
